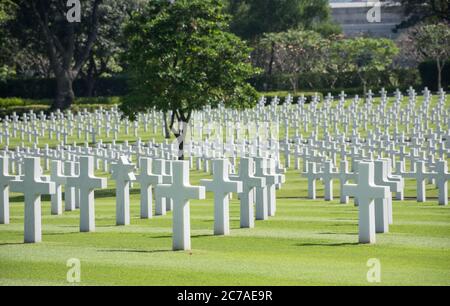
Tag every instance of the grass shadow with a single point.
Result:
(136, 251)
(10, 244)
(63, 233)
(327, 244)
(349, 234)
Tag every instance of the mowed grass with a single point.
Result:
(306, 243)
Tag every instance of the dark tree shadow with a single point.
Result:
(63, 233)
(10, 244)
(327, 244)
(136, 251)
(349, 234)
(202, 236)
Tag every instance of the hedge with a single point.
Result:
(118, 85)
(402, 78)
(45, 88)
(429, 75)
(20, 106)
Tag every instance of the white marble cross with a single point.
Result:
(327, 176)
(383, 207)
(442, 177)
(122, 173)
(421, 175)
(5, 181)
(312, 176)
(250, 182)
(180, 191)
(221, 186)
(69, 190)
(86, 182)
(162, 205)
(265, 196)
(32, 187)
(59, 179)
(366, 192)
(147, 180)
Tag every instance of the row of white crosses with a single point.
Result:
(295, 113)
(82, 126)
(328, 173)
(177, 189)
(375, 204)
(419, 139)
(33, 185)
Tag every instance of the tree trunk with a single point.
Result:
(272, 58)
(365, 90)
(293, 82)
(439, 69)
(64, 91)
(90, 85)
(166, 126)
(181, 132)
(181, 150)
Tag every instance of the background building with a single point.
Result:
(352, 16)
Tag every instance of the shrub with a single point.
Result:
(429, 75)
(45, 88)
(20, 106)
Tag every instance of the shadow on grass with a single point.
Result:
(349, 234)
(136, 251)
(170, 236)
(295, 197)
(61, 233)
(10, 244)
(327, 244)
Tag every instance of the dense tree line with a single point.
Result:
(284, 36)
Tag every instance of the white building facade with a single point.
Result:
(368, 18)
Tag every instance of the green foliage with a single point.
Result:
(44, 88)
(20, 105)
(428, 11)
(428, 74)
(295, 52)
(433, 42)
(181, 58)
(6, 9)
(366, 56)
(253, 18)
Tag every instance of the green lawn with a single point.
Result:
(307, 243)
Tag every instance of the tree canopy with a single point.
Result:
(433, 42)
(295, 52)
(368, 55)
(429, 11)
(181, 59)
(253, 18)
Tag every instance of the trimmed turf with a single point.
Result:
(307, 243)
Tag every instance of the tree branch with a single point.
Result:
(92, 37)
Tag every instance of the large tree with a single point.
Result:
(104, 59)
(296, 52)
(433, 42)
(368, 56)
(254, 18)
(419, 11)
(6, 13)
(181, 59)
(67, 44)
